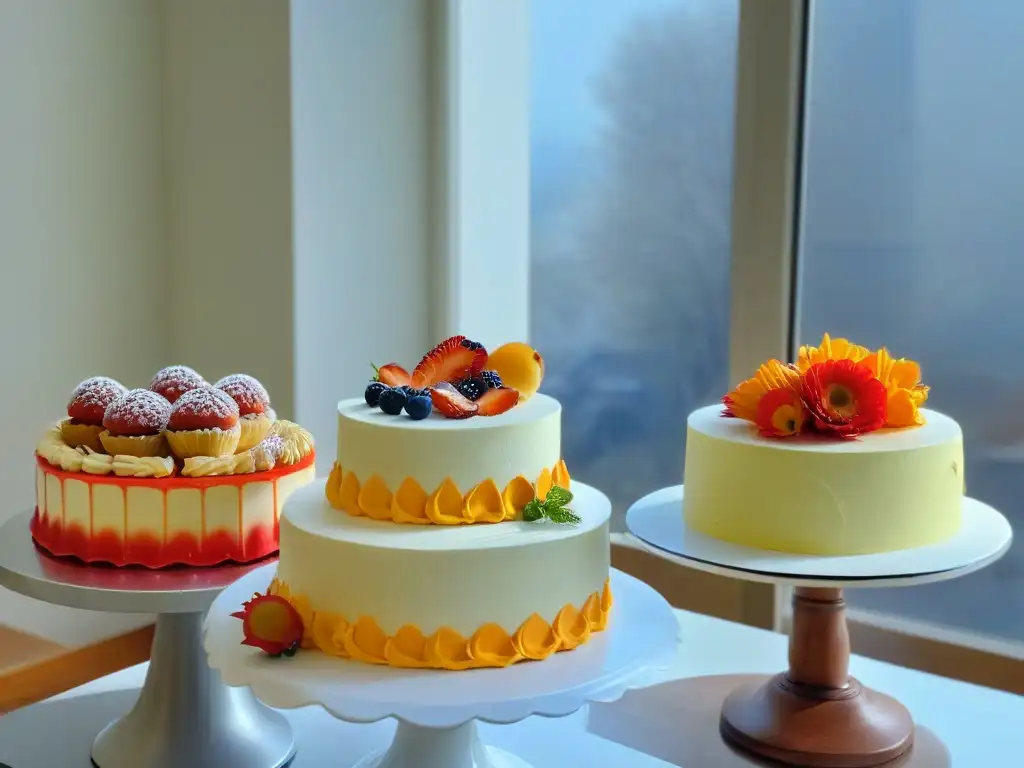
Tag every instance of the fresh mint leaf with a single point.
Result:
(564, 516)
(533, 511)
(557, 497)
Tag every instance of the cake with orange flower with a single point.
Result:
(832, 455)
(447, 479)
(156, 477)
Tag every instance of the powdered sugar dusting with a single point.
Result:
(175, 380)
(247, 392)
(90, 399)
(139, 412)
(271, 445)
(204, 408)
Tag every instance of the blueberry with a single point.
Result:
(418, 406)
(472, 389)
(492, 379)
(392, 401)
(373, 392)
(472, 345)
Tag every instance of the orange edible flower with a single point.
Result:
(904, 391)
(781, 413)
(830, 349)
(743, 402)
(844, 397)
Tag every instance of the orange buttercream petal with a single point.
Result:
(484, 504)
(333, 487)
(444, 507)
(409, 504)
(560, 475)
(302, 607)
(592, 611)
(518, 493)
(279, 588)
(408, 648)
(544, 484)
(365, 641)
(535, 639)
(447, 649)
(606, 604)
(571, 626)
(349, 496)
(491, 646)
(375, 499)
(329, 633)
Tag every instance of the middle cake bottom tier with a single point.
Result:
(444, 597)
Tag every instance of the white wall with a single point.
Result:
(82, 257)
(227, 145)
(361, 108)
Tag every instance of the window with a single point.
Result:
(631, 147)
(912, 236)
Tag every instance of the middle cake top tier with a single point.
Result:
(524, 441)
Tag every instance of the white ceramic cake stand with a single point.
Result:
(437, 710)
(815, 714)
(185, 715)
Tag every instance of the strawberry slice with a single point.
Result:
(393, 375)
(451, 403)
(453, 359)
(495, 401)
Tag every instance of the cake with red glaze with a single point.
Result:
(158, 476)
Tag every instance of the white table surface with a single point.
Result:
(979, 726)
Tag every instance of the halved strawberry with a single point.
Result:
(495, 401)
(452, 360)
(393, 375)
(451, 403)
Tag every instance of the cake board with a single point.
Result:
(438, 710)
(815, 714)
(181, 697)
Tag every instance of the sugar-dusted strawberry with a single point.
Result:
(451, 403)
(452, 360)
(204, 408)
(495, 401)
(174, 381)
(250, 396)
(135, 413)
(393, 375)
(90, 399)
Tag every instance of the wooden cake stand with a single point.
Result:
(815, 714)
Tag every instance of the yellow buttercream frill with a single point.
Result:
(489, 646)
(446, 505)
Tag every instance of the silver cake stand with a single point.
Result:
(185, 715)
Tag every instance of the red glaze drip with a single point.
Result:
(108, 546)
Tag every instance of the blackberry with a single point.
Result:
(492, 379)
(472, 389)
(373, 392)
(392, 401)
(472, 345)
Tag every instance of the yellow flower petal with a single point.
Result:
(333, 487)
(444, 506)
(830, 349)
(491, 646)
(365, 641)
(484, 504)
(447, 649)
(535, 639)
(544, 484)
(329, 633)
(407, 648)
(518, 493)
(560, 475)
(571, 626)
(409, 504)
(743, 401)
(375, 499)
(349, 496)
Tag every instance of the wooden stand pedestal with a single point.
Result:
(816, 715)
